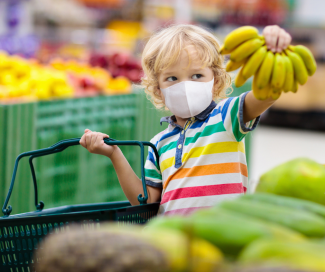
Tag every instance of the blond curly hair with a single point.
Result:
(163, 50)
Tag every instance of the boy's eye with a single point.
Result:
(172, 78)
(196, 76)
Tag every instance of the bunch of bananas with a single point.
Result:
(273, 72)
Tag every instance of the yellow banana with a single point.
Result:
(254, 62)
(307, 57)
(263, 74)
(294, 87)
(246, 49)
(223, 51)
(240, 80)
(279, 72)
(232, 66)
(275, 93)
(260, 94)
(299, 67)
(240, 35)
(289, 80)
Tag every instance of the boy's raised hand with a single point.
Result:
(94, 142)
(276, 38)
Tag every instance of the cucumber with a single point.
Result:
(231, 232)
(304, 222)
(287, 201)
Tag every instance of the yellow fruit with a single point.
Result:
(3, 92)
(289, 79)
(204, 256)
(261, 94)
(300, 70)
(119, 84)
(294, 87)
(275, 93)
(295, 256)
(263, 74)
(240, 80)
(254, 62)
(8, 79)
(239, 36)
(279, 73)
(223, 51)
(307, 57)
(246, 49)
(232, 66)
(3, 60)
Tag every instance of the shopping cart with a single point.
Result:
(21, 234)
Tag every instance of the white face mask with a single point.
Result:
(188, 98)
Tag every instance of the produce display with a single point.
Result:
(28, 80)
(118, 64)
(263, 231)
(251, 231)
(92, 80)
(273, 73)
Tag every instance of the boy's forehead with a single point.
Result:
(189, 58)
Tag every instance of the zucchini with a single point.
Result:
(231, 231)
(287, 201)
(304, 222)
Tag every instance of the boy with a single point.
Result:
(202, 153)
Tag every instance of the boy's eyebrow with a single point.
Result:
(175, 72)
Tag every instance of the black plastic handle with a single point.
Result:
(62, 145)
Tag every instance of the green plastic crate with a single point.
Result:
(73, 174)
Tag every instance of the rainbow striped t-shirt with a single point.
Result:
(202, 163)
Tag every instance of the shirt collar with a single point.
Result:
(201, 116)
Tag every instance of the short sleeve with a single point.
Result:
(152, 170)
(232, 112)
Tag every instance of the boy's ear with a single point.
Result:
(159, 93)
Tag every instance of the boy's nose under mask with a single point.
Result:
(188, 98)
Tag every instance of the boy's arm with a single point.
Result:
(277, 39)
(254, 107)
(130, 183)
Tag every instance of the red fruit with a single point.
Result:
(134, 75)
(120, 59)
(114, 70)
(86, 83)
(123, 72)
(93, 61)
(103, 61)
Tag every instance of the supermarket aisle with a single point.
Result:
(273, 146)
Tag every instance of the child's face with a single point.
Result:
(182, 70)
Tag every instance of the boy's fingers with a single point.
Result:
(88, 139)
(274, 38)
(96, 137)
(82, 141)
(267, 35)
(283, 41)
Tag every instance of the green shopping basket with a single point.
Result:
(21, 234)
